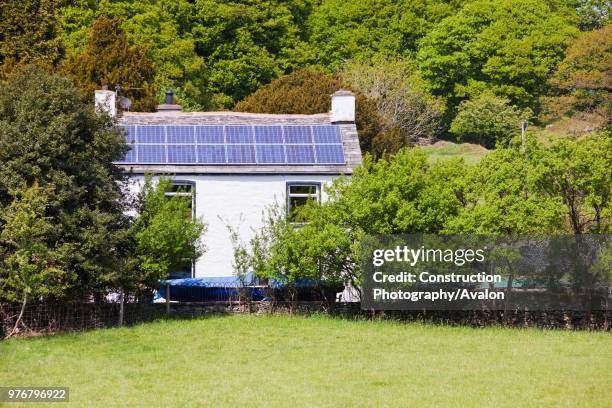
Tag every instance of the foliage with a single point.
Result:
(29, 270)
(50, 134)
(212, 53)
(342, 30)
(583, 80)
(593, 14)
(398, 92)
(165, 232)
(308, 91)
(579, 174)
(487, 120)
(501, 198)
(29, 32)
(109, 60)
(507, 47)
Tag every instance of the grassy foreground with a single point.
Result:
(284, 361)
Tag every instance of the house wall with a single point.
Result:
(237, 200)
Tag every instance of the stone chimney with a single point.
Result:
(343, 107)
(105, 101)
(169, 105)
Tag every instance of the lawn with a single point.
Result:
(471, 153)
(281, 361)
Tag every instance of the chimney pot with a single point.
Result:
(169, 97)
(343, 107)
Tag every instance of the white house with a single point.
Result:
(234, 165)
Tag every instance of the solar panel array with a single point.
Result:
(234, 144)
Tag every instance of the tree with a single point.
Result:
(212, 53)
(341, 30)
(507, 47)
(577, 172)
(165, 232)
(593, 14)
(400, 194)
(487, 120)
(582, 81)
(30, 269)
(50, 134)
(29, 34)
(109, 60)
(308, 91)
(399, 96)
(501, 197)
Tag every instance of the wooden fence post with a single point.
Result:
(167, 298)
(121, 302)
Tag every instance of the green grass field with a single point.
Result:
(281, 361)
(471, 153)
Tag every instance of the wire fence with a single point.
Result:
(50, 318)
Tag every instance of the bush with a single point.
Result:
(486, 120)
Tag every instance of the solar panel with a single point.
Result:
(234, 144)
(130, 156)
(329, 154)
(240, 154)
(211, 154)
(270, 153)
(209, 134)
(150, 134)
(181, 153)
(180, 134)
(326, 134)
(297, 134)
(239, 134)
(151, 153)
(130, 134)
(268, 134)
(299, 154)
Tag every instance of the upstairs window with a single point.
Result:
(299, 194)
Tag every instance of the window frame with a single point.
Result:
(192, 194)
(317, 195)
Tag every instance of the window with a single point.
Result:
(298, 194)
(184, 189)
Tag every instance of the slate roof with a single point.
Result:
(348, 132)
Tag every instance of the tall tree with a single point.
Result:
(30, 269)
(583, 80)
(507, 47)
(50, 134)
(108, 59)
(29, 34)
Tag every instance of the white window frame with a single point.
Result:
(316, 195)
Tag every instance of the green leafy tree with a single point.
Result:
(50, 134)
(583, 80)
(593, 14)
(29, 34)
(365, 30)
(212, 53)
(578, 172)
(501, 197)
(308, 91)
(508, 47)
(109, 60)
(488, 120)
(30, 270)
(166, 234)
